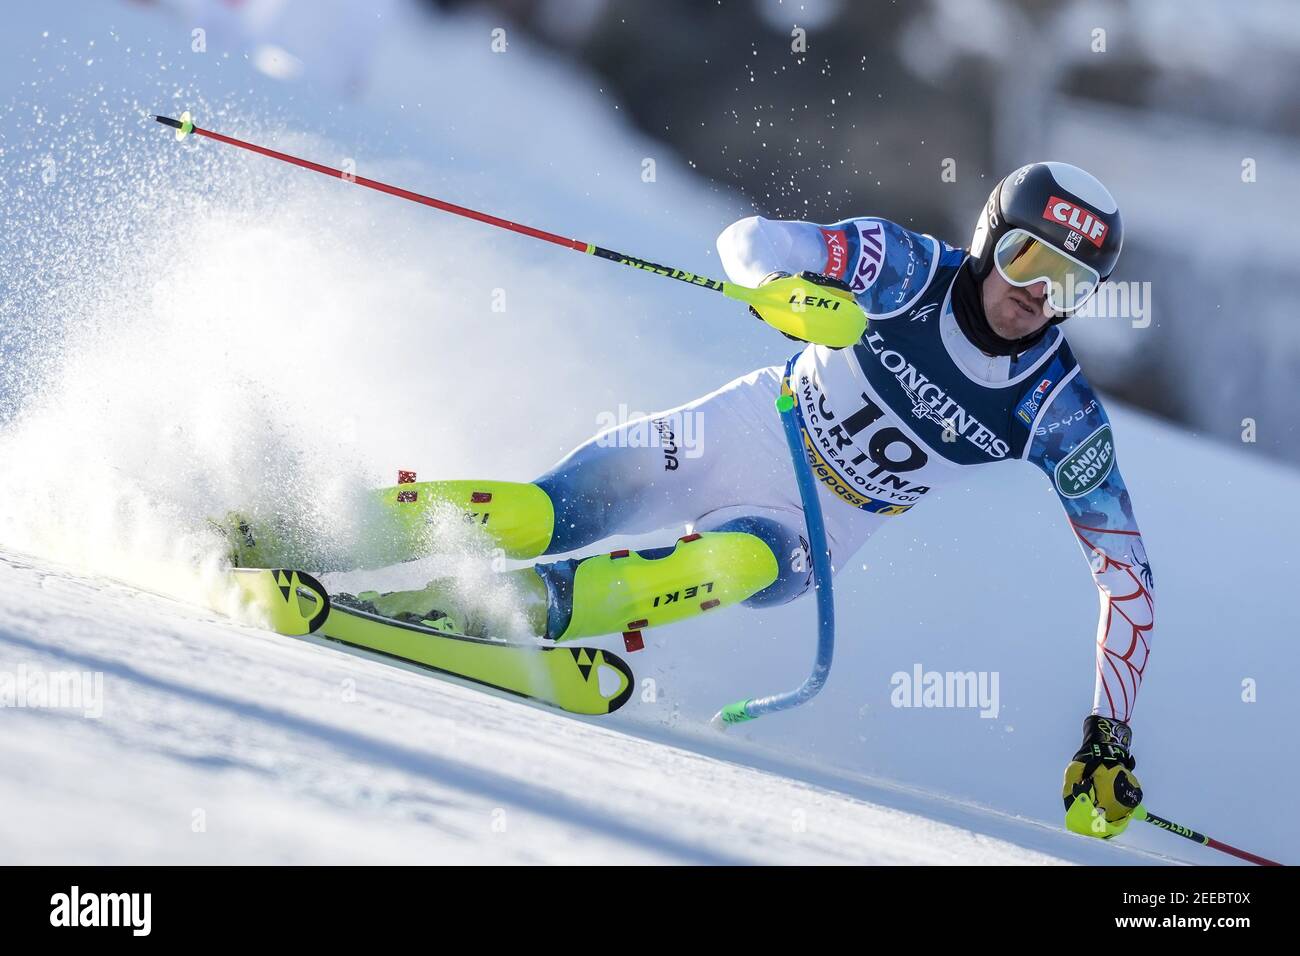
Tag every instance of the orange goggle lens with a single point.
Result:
(1024, 260)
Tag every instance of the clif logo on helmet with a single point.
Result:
(1082, 221)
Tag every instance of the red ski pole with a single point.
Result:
(794, 305)
(1142, 813)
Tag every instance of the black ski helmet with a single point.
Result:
(1061, 206)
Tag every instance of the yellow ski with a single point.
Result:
(582, 680)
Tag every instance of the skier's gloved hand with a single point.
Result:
(834, 289)
(828, 282)
(1101, 791)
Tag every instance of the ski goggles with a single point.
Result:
(1023, 260)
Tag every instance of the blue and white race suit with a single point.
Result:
(886, 423)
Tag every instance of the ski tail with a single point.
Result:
(293, 602)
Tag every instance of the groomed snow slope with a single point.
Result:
(220, 743)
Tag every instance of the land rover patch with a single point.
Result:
(1083, 469)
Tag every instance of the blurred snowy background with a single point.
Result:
(821, 109)
(1189, 110)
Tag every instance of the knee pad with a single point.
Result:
(794, 560)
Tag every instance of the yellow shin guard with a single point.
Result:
(518, 517)
(629, 590)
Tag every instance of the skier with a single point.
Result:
(962, 364)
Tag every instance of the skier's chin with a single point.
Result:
(1019, 323)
